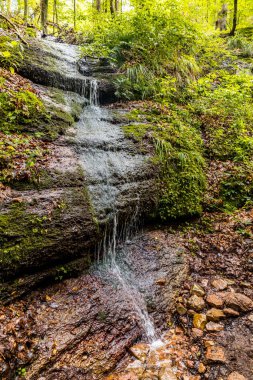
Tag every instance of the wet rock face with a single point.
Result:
(82, 328)
(57, 65)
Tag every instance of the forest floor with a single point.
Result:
(209, 334)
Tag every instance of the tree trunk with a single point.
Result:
(116, 5)
(44, 11)
(75, 14)
(112, 10)
(98, 5)
(25, 10)
(232, 33)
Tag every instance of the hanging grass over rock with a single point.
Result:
(177, 150)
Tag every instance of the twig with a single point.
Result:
(15, 28)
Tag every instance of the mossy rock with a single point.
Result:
(45, 229)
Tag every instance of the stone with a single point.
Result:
(190, 363)
(214, 327)
(214, 300)
(236, 376)
(199, 321)
(239, 302)
(167, 374)
(181, 309)
(197, 333)
(198, 290)
(195, 302)
(215, 354)
(208, 343)
(250, 317)
(140, 351)
(161, 281)
(201, 368)
(230, 312)
(220, 284)
(215, 315)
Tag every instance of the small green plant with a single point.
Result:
(10, 53)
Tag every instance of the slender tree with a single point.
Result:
(98, 5)
(232, 33)
(25, 10)
(74, 14)
(43, 18)
(112, 9)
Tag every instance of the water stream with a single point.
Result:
(106, 168)
(108, 164)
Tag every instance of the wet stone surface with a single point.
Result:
(82, 328)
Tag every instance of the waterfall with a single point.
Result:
(105, 165)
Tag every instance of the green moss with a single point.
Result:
(177, 150)
(236, 188)
(20, 234)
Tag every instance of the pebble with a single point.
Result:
(214, 327)
(161, 281)
(231, 312)
(238, 301)
(202, 368)
(236, 376)
(214, 300)
(181, 309)
(198, 290)
(195, 302)
(199, 321)
(215, 315)
(220, 284)
(215, 354)
(197, 333)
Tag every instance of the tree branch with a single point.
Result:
(14, 27)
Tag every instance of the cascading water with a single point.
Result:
(108, 164)
(105, 169)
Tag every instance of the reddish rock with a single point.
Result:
(215, 315)
(215, 354)
(201, 368)
(231, 312)
(197, 333)
(220, 284)
(238, 302)
(195, 302)
(167, 374)
(161, 281)
(140, 351)
(236, 376)
(214, 327)
(214, 300)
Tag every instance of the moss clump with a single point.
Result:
(177, 150)
(236, 187)
(20, 234)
